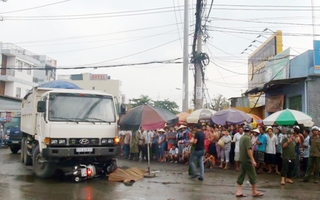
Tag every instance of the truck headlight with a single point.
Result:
(8, 132)
(62, 141)
(106, 141)
(58, 141)
(54, 141)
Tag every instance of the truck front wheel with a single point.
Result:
(14, 150)
(42, 169)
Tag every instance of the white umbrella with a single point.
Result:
(200, 115)
(287, 117)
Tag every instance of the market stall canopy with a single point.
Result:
(148, 117)
(9, 104)
(231, 116)
(287, 117)
(200, 115)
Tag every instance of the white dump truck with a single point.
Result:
(66, 128)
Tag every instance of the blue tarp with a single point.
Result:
(59, 84)
(56, 84)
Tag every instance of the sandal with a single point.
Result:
(241, 195)
(258, 194)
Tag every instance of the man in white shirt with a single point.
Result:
(306, 150)
(236, 139)
(272, 142)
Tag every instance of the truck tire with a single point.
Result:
(14, 150)
(42, 170)
(27, 159)
(22, 150)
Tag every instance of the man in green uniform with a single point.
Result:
(248, 164)
(314, 157)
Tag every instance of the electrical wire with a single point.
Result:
(33, 8)
(133, 54)
(261, 22)
(175, 15)
(108, 45)
(170, 61)
(95, 35)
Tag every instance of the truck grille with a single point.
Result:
(84, 141)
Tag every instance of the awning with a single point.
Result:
(274, 84)
(9, 104)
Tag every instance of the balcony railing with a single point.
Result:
(7, 72)
(20, 50)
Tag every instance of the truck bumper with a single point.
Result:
(80, 151)
(13, 143)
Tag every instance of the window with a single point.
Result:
(28, 68)
(295, 102)
(19, 65)
(18, 92)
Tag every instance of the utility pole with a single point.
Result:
(198, 96)
(185, 87)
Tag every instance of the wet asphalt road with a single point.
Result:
(171, 183)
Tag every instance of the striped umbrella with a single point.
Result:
(287, 117)
(148, 117)
(200, 115)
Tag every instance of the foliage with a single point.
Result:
(167, 105)
(218, 103)
(144, 99)
(171, 106)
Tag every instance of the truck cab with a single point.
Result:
(14, 135)
(63, 128)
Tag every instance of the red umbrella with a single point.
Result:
(148, 117)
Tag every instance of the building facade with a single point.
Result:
(100, 82)
(298, 89)
(21, 70)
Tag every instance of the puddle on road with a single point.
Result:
(26, 178)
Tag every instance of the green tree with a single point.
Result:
(218, 103)
(144, 99)
(167, 105)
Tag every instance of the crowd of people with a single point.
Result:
(289, 152)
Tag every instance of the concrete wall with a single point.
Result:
(302, 65)
(109, 86)
(314, 99)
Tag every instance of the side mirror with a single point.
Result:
(41, 107)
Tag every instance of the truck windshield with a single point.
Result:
(81, 108)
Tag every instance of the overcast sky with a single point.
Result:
(126, 31)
